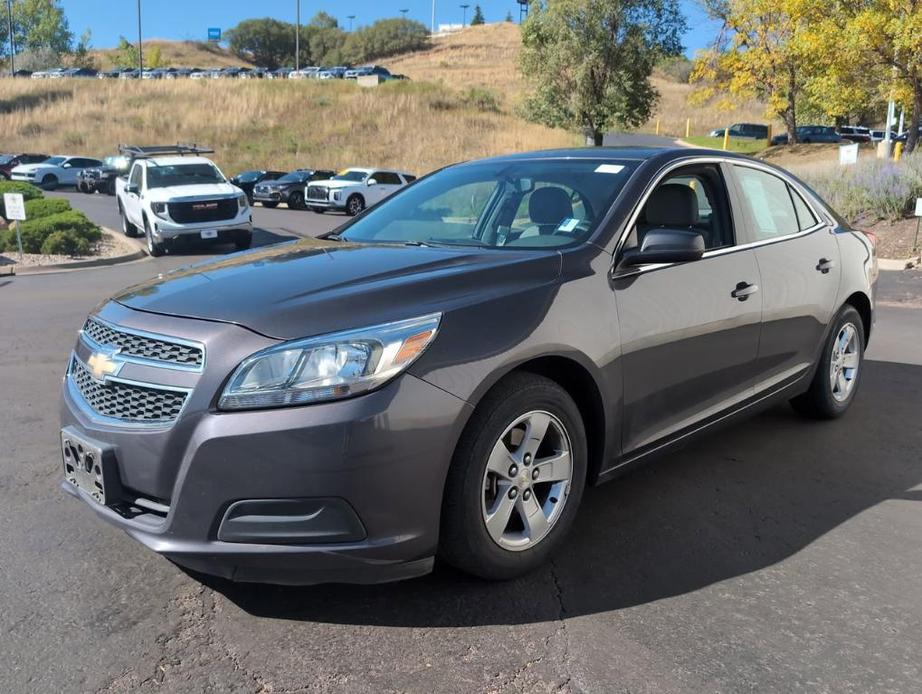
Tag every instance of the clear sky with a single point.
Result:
(190, 19)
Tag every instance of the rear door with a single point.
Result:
(690, 331)
(798, 258)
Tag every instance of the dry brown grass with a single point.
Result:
(277, 124)
(179, 54)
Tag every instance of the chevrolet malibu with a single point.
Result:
(444, 375)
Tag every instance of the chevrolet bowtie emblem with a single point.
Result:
(102, 365)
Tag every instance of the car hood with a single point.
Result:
(337, 184)
(30, 168)
(199, 191)
(312, 286)
(275, 185)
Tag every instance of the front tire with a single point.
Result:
(354, 205)
(838, 373)
(49, 182)
(296, 201)
(154, 248)
(516, 479)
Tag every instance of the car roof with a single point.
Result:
(173, 161)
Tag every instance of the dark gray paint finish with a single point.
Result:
(666, 351)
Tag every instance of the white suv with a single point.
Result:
(354, 189)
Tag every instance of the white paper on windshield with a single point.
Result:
(569, 224)
(609, 168)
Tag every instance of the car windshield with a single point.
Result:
(293, 177)
(182, 174)
(5, 158)
(521, 204)
(120, 163)
(247, 176)
(54, 161)
(355, 176)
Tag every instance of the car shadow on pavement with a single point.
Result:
(734, 502)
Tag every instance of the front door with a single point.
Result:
(690, 331)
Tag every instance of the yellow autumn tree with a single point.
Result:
(761, 53)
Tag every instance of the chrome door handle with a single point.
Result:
(825, 265)
(744, 290)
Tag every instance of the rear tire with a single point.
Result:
(129, 229)
(838, 373)
(244, 241)
(154, 248)
(296, 201)
(110, 187)
(490, 523)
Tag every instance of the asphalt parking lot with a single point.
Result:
(776, 556)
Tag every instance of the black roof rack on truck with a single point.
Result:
(136, 152)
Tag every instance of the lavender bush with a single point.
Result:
(872, 188)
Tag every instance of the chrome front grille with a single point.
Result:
(317, 192)
(125, 401)
(144, 346)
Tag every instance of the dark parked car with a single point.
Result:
(114, 73)
(808, 134)
(101, 179)
(745, 130)
(22, 73)
(288, 188)
(855, 133)
(247, 180)
(447, 372)
(8, 162)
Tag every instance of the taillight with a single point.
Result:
(872, 237)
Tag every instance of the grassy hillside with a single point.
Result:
(265, 123)
(179, 54)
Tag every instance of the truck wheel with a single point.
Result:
(50, 182)
(129, 229)
(243, 241)
(270, 205)
(354, 205)
(156, 249)
(296, 201)
(110, 187)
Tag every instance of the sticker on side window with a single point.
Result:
(569, 224)
(609, 168)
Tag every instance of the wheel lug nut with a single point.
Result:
(513, 470)
(535, 473)
(513, 493)
(528, 458)
(526, 495)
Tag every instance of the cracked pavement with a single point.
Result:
(776, 555)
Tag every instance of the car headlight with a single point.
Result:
(242, 201)
(159, 209)
(328, 367)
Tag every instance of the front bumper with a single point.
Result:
(382, 456)
(325, 204)
(227, 229)
(270, 197)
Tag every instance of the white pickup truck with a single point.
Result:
(354, 189)
(168, 197)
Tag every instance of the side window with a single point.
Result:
(693, 198)
(408, 178)
(135, 178)
(805, 218)
(388, 178)
(768, 202)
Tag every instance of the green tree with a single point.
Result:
(82, 56)
(322, 40)
(266, 42)
(478, 16)
(39, 26)
(508, 17)
(125, 54)
(385, 38)
(589, 61)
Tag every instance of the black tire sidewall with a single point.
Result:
(818, 401)
(361, 204)
(296, 201)
(466, 542)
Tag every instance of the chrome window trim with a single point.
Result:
(713, 159)
(98, 418)
(159, 363)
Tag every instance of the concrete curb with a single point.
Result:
(894, 264)
(82, 264)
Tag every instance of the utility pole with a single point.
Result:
(464, 15)
(433, 17)
(140, 49)
(298, 35)
(9, 8)
(350, 18)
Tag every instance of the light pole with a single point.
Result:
(464, 15)
(404, 12)
(433, 17)
(350, 18)
(140, 49)
(9, 8)
(297, 35)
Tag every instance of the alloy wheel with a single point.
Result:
(844, 362)
(527, 481)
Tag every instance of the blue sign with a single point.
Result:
(214, 33)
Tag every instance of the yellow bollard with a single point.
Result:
(898, 151)
(687, 127)
(657, 126)
(726, 138)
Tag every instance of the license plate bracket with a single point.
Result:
(209, 233)
(90, 466)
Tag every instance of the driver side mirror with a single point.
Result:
(665, 246)
(371, 182)
(131, 188)
(66, 165)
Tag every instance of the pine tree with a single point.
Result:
(478, 16)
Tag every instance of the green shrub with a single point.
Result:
(29, 192)
(36, 231)
(7, 240)
(44, 207)
(481, 99)
(65, 243)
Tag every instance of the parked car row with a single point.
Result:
(233, 72)
(49, 172)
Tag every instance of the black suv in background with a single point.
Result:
(751, 130)
(247, 180)
(101, 179)
(289, 188)
(8, 162)
(808, 134)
